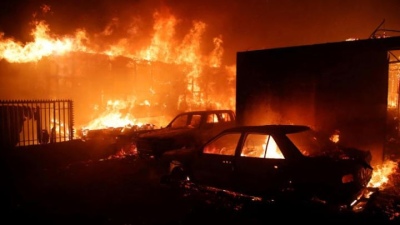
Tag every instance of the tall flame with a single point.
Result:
(163, 39)
(381, 175)
(43, 45)
(164, 47)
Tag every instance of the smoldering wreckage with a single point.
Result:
(53, 177)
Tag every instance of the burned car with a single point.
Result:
(187, 130)
(274, 163)
(105, 134)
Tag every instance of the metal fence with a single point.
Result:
(35, 122)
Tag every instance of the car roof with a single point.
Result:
(206, 111)
(271, 128)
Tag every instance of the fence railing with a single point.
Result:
(34, 122)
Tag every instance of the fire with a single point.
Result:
(273, 150)
(382, 173)
(43, 45)
(163, 47)
(215, 58)
(162, 41)
(114, 116)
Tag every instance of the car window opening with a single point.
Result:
(261, 146)
(224, 145)
(195, 121)
(273, 150)
(312, 144)
(212, 118)
(180, 122)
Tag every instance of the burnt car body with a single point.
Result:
(105, 134)
(187, 130)
(274, 164)
(119, 140)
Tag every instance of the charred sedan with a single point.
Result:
(273, 164)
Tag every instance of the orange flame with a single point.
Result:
(381, 174)
(164, 47)
(163, 39)
(216, 54)
(43, 45)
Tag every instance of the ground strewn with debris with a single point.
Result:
(124, 189)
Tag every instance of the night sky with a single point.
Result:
(242, 24)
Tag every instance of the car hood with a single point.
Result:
(364, 157)
(165, 133)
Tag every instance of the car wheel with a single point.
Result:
(177, 175)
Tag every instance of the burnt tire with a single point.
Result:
(176, 177)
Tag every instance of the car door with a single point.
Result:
(260, 165)
(210, 127)
(213, 123)
(214, 167)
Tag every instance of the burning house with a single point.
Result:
(118, 86)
